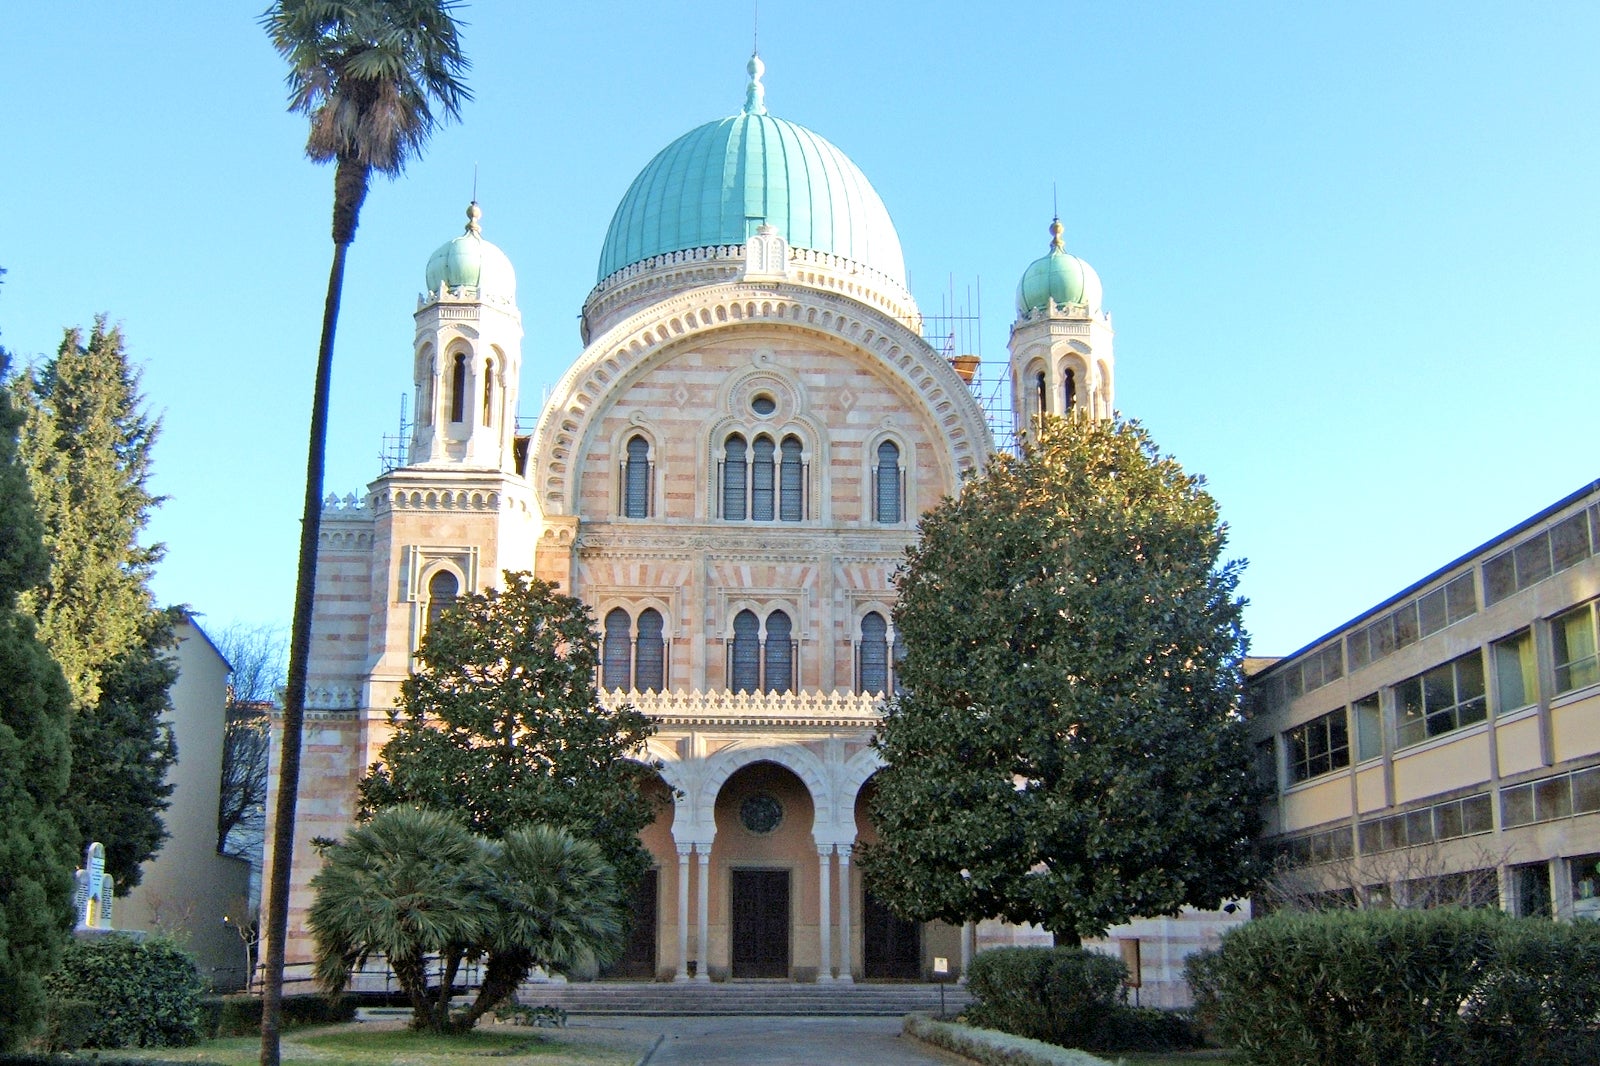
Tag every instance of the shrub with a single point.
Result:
(1064, 996)
(68, 1023)
(240, 1015)
(143, 993)
(1403, 988)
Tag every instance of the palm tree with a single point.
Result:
(556, 905)
(375, 77)
(408, 885)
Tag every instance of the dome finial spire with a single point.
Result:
(755, 97)
(1057, 244)
(474, 212)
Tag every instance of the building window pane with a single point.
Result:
(1552, 798)
(1318, 747)
(1574, 641)
(1499, 578)
(1586, 791)
(617, 656)
(1533, 560)
(1369, 727)
(1516, 805)
(874, 654)
(886, 505)
(1440, 701)
(1477, 815)
(1516, 674)
(1461, 599)
(745, 659)
(779, 653)
(650, 653)
(443, 589)
(1431, 608)
(636, 479)
(1569, 541)
(791, 482)
(733, 479)
(761, 487)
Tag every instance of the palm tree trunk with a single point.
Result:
(294, 700)
(502, 975)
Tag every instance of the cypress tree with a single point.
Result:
(86, 443)
(36, 837)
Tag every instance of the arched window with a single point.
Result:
(733, 479)
(636, 479)
(1040, 394)
(650, 653)
(761, 477)
(744, 658)
(425, 372)
(1069, 392)
(886, 502)
(488, 392)
(872, 661)
(458, 389)
(618, 653)
(791, 482)
(443, 590)
(779, 664)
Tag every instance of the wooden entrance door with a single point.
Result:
(760, 923)
(891, 946)
(638, 961)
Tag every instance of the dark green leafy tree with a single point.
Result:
(374, 77)
(1069, 749)
(414, 884)
(37, 839)
(502, 721)
(87, 442)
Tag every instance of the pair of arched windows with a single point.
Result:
(634, 656)
(636, 479)
(763, 661)
(458, 389)
(876, 657)
(763, 480)
(1069, 392)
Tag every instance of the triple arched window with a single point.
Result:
(635, 478)
(634, 655)
(877, 658)
(763, 480)
(762, 661)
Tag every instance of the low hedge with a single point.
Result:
(1404, 988)
(1069, 997)
(142, 993)
(988, 1047)
(240, 1015)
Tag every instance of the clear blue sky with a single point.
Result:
(1352, 250)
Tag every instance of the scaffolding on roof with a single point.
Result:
(956, 333)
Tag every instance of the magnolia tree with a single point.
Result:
(1068, 748)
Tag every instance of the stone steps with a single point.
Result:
(741, 998)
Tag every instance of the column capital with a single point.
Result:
(824, 850)
(685, 849)
(844, 851)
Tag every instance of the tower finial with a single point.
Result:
(755, 97)
(474, 212)
(474, 182)
(1056, 230)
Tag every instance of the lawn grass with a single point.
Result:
(386, 1043)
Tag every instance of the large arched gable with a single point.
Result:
(632, 347)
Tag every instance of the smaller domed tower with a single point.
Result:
(1061, 359)
(468, 355)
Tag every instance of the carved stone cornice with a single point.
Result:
(755, 710)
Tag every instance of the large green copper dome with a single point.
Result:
(716, 184)
(1060, 277)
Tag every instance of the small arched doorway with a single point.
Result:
(891, 947)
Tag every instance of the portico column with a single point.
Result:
(684, 851)
(703, 972)
(845, 969)
(824, 914)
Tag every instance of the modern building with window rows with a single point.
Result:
(1445, 746)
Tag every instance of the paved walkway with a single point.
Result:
(781, 1042)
